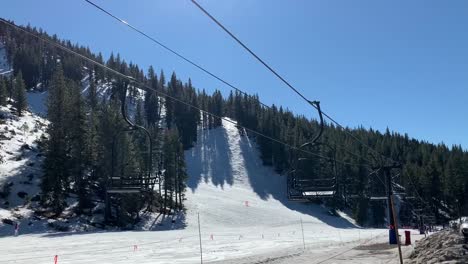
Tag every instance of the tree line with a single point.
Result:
(79, 146)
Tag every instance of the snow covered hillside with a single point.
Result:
(244, 218)
(20, 175)
(20, 165)
(226, 167)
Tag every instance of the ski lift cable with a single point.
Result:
(159, 43)
(145, 87)
(417, 192)
(164, 46)
(282, 79)
(376, 172)
(415, 189)
(143, 180)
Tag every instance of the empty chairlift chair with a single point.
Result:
(131, 158)
(313, 177)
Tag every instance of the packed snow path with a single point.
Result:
(243, 212)
(230, 187)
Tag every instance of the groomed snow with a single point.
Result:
(244, 215)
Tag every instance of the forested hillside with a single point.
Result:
(78, 149)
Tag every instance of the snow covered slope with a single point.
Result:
(244, 218)
(20, 168)
(225, 167)
(37, 102)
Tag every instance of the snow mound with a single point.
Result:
(442, 247)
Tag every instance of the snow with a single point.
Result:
(20, 168)
(446, 246)
(244, 213)
(244, 217)
(37, 102)
(225, 165)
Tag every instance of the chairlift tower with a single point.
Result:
(389, 181)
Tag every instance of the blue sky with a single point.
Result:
(396, 64)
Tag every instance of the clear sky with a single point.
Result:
(397, 64)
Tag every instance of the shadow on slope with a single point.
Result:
(210, 156)
(221, 154)
(266, 183)
(159, 223)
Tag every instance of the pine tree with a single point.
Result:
(27, 59)
(92, 147)
(92, 93)
(10, 88)
(109, 122)
(20, 102)
(138, 114)
(75, 130)
(175, 175)
(151, 100)
(55, 180)
(3, 91)
(439, 174)
(99, 73)
(170, 104)
(181, 175)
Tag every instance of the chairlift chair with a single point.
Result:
(124, 179)
(303, 187)
(315, 184)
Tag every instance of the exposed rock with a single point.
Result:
(7, 221)
(22, 194)
(25, 147)
(36, 198)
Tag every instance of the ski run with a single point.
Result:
(242, 206)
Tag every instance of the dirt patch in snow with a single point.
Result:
(379, 246)
(442, 247)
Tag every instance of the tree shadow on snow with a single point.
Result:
(214, 159)
(158, 222)
(268, 184)
(209, 159)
